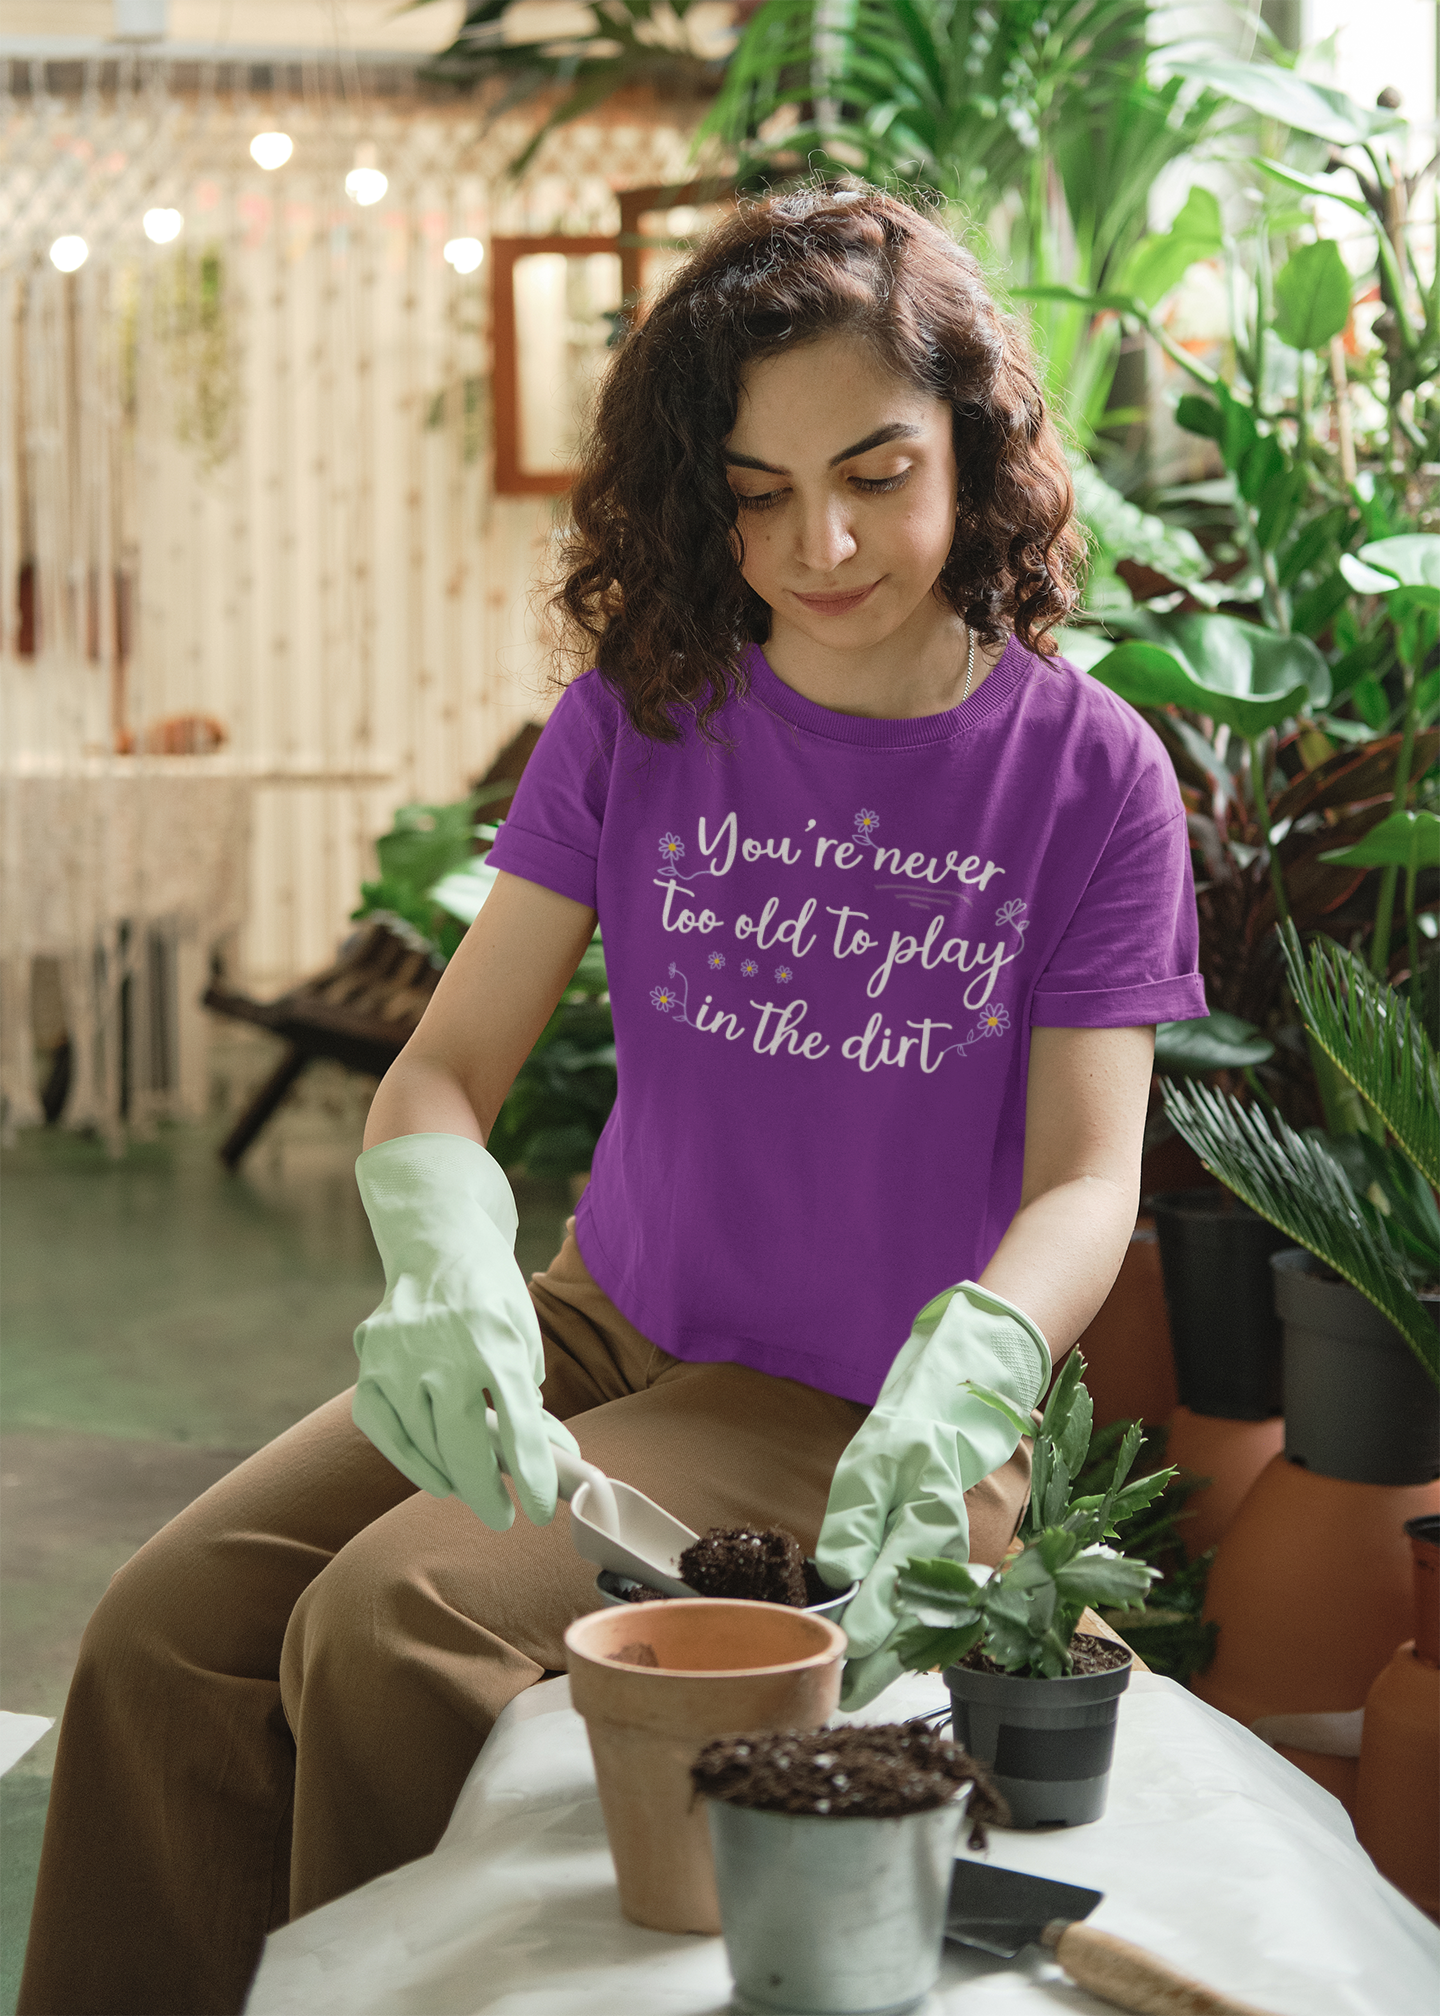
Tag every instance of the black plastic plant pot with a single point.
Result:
(1224, 1332)
(1049, 1744)
(1359, 1405)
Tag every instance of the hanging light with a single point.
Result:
(162, 225)
(69, 253)
(365, 186)
(271, 150)
(464, 254)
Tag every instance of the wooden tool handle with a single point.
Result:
(1131, 1978)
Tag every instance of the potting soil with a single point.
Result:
(736, 1561)
(1091, 1654)
(864, 1772)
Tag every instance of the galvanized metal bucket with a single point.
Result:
(834, 1916)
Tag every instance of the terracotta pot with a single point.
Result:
(1231, 1454)
(1311, 1589)
(1397, 1794)
(1128, 1366)
(722, 1667)
(1424, 1536)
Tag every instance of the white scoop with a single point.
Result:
(614, 1525)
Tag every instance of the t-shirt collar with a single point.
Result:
(861, 730)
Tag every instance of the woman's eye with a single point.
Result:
(766, 501)
(874, 485)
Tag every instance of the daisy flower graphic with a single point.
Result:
(783, 973)
(1008, 912)
(664, 998)
(866, 821)
(716, 961)
(749, 967)
(671, 848)
(994, 1021)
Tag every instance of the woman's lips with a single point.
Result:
(836, 605)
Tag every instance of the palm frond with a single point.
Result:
(1374, 1036)
(1293, 1181)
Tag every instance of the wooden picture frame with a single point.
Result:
(514, 476)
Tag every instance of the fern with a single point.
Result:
(1295, 1182)
(1372, 1034)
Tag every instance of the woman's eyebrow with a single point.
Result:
(896, 430)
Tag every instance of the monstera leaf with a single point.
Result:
(1236, 672)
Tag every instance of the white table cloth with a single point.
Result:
(1215, 1853)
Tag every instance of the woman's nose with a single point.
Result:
(824, 537)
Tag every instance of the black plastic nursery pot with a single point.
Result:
(1049, 1744)
(1358, 1403)
(1224, 1332)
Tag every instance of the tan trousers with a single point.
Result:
(282, 1694)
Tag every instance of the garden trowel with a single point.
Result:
(614, 1525)
(1000, 1911)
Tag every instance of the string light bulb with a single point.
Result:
(464, 254)
(161, 226)
(69, 253)
(271, 150)
(365, 186)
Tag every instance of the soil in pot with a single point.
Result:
(765, 1566)
(833, 1852)
(1048, 1744)
(872, 1772)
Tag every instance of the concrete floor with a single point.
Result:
(161, 1321)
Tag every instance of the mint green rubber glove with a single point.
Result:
(899, 1488)
(456, 1319)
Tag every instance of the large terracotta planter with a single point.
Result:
(1397, 1793)
(1424, 1538)
(722, 1667)
(1128, 1365)
(1311, 1589)
(1231, 1454)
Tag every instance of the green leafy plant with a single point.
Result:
(1023, 1617)
(622, 44)
(1365, 1208)
(433, 880)
(1039, 117)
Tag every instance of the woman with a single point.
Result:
(892, 900)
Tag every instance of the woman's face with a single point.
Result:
(844, 479)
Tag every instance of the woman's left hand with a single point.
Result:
(899, 1488)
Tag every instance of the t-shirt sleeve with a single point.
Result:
(552, 832)
(1128, 954)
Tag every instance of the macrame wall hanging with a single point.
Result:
(258, 587)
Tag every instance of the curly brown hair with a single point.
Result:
(651, 589)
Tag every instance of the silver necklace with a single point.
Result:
(969, 664)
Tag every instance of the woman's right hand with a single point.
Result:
(456, 1322)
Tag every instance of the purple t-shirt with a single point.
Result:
(827, 944)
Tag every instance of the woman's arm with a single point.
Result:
(1084, 1129)
(494, 998)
